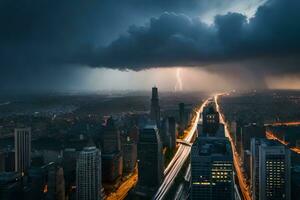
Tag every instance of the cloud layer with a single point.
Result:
(177, 40)
(42, 41)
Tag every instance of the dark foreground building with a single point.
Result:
(150, 161)
(211, 169)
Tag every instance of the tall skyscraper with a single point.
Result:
(270, 170)
(182, 118)
(155, 109)
(129, 149)
(88, 174)
(165, 133)
(173, 131)
(211, 169)
(9, 160)
(22, 149)
(70, 157)
(112, 160)
(150, 160)
(111, 138)
(211, 120)
(2, 161)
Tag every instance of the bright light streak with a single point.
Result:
(272, 136)
(179, 85)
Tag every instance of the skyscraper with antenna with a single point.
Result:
(155, 108)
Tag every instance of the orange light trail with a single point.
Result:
(284, 124)
(244, 186)
(272, 136)
(124, 188)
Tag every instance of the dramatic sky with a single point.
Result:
(135, 44)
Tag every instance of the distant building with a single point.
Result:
(112, 167)
(55, 183)
(150, 160)
(112, 160)
(69, 160)
(155, 108)
(10, 186)
(295, 182)
(22, 149)
(2, 161)
(9, 160)
(182, 118)
(111, 141)
(134, 134)
(129, 149)
(37, 180)
(165, 133)
(247, 132)
(211, 121)
(173, 132)
(211, 169)
(270, 170)
(88, 174)
(235, 129)
(199, 129)
(37, 159)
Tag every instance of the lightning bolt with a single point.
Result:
(178, 85)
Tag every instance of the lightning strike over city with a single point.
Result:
(150, 100)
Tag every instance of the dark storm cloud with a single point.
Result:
(168, 40)
(41, 39)
(176, 39)
(37, 37)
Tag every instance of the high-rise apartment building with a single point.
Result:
(22, 149)
(88, 174)
(270, 170)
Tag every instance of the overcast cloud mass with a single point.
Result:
(52, 41)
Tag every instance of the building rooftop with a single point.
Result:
(150, 126)
(91, 148)
(213, 146)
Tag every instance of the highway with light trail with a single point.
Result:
(243, 185)
(180, 156)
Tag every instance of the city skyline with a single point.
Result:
(150, 99)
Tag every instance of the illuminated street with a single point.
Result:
(244, 186)
(272, 136)
(180, 157)
(284, 124)
(124, 188)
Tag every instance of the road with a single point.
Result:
(244, 186)
(180, 156)
(124, 188)
(272, 136)
(295, 123)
